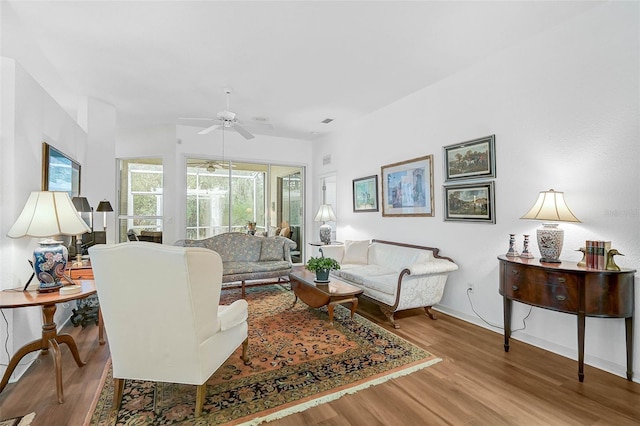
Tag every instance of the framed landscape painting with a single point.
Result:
(470, 160)
(407, 188)
(365, 194)
(59, 171)
(471, 202)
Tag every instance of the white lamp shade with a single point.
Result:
(551, 206)
(47, 214)
(325, 214)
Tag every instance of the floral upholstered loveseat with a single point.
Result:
(247, 257)
(395, 276)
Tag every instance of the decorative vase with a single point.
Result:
(322, 274)
(49, 264)
(325, 233)
(550, 239)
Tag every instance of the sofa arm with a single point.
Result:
(335, 252)
(435, 266)
(288, 247)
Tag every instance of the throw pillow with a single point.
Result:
(356, 252)
(272, 249)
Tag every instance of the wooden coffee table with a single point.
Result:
(317, 295)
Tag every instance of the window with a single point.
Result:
(228, 196)
(140, 196)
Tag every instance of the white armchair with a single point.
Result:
(160, 309)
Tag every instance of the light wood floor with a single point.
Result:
(477, 383)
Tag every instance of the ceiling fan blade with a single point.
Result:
(196, 118)
(243, 132)
(208, 129)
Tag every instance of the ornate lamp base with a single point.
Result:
(325, 233)
(49, 264)
(550, 239)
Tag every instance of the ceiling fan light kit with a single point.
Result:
(227, 119)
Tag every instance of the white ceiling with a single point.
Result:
(293, 63)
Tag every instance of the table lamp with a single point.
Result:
(550, 208)
(47, 214)
(104, 207)
(82, 206)
(324, 215)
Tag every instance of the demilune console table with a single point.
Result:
(569, 288)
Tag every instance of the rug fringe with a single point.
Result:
(337, 395)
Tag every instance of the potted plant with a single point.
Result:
(321, 266)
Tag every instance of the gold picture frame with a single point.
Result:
(407, 188)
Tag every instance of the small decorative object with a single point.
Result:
(251, 228)
(526, 254)
(322, 266)
(583, 262)
(325, 214)
(48, 214)
(512, 246)
(611, 264)
(550, 206)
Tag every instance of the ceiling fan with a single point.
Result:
(226, 120)
(210, 165)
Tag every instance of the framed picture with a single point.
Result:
(470, 202)
(365, 194)
(59, 172)
(470, 160)
(407, 188)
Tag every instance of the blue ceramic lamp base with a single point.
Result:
(50, 264)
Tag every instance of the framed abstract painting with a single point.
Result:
(407, 188)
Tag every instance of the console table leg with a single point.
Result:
(507, 322)
(581, 324)
(628, 326)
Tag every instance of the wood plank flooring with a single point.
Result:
(477, 383)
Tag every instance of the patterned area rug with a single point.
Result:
(298, 361)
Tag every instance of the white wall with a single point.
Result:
(175, 143)
(29, 117)
(564, 107)
(99, 120)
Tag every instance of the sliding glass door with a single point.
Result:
(229, 196)
(140, 203)
(224, 197)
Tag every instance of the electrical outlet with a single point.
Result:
(470, 287)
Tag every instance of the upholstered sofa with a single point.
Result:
(395, 276)
(247, 257)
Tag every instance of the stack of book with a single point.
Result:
(596, 254)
